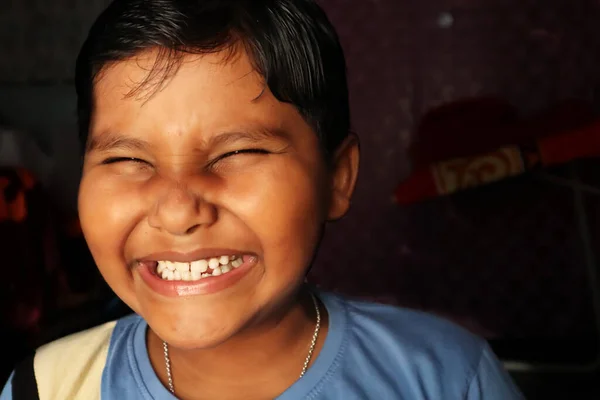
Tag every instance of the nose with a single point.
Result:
(179, 211)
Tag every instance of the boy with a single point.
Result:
(217, 147)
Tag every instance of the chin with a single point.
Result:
(194, 331)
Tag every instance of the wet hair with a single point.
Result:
(291, 43)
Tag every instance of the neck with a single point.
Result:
(267, 356)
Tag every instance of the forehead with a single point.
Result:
(205, 92)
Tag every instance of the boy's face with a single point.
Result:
(173, 190)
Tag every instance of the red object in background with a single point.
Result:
(581, 143)
(462, 128)
(22, 226)
(558, 135)
(420, 185)
(44, 254)
(473, 126)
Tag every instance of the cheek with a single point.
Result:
(107, 212)
(284, 208)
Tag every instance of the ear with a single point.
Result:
(344, 166)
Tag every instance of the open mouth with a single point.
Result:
(197, 270)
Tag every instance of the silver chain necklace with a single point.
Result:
(311, 350)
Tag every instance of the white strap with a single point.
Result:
(71, 368)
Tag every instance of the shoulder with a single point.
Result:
(91, 338)
(415, 353)
(414, 331)
(87, 344)
(72, 367)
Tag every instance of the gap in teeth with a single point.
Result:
(196, 270)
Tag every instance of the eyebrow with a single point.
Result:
(251, 135)
(115, 141)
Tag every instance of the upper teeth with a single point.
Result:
(195, 270)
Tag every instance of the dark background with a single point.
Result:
(511, 261)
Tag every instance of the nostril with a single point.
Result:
(192, 229)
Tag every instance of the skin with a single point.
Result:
(185, 191)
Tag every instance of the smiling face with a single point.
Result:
(205, 166)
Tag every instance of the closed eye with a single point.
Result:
(115, 160)
(238, 152)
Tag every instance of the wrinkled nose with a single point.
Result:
(179, 211)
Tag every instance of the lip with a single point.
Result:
(204, 286)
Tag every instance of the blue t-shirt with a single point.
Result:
(372, 351)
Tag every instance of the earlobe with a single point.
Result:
(345, 166)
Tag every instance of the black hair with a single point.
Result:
(291, 42)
